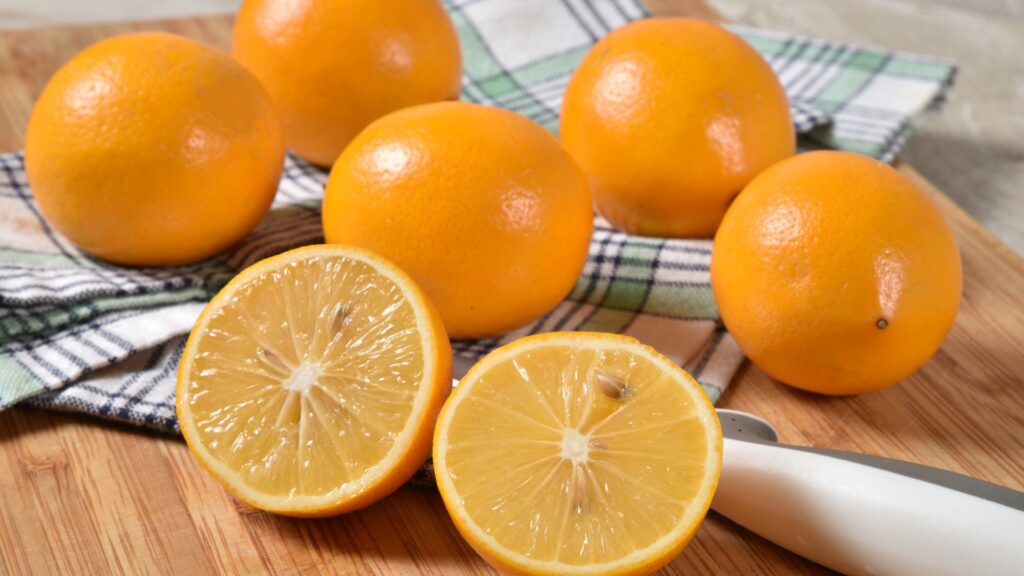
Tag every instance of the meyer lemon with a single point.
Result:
(481, 206)
(836, 273)
(577, 453)
(332, 67)
(670, 118)
(152, 149)
(311, 382)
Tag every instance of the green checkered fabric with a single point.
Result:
(82, 335)
(870, 96)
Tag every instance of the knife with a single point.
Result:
(862, 514)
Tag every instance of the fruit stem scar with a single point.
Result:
(882, 323)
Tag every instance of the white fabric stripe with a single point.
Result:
(66, 282)
(723, 364)
(632, 9)
(584, 13)
(820, 71)
(142, 330)
(678, 257)
(819, 83)
(35, 290)
(49, 357)
(98, 392)
(32, 363)
(154, 327)
(609, 14)
(91, 348)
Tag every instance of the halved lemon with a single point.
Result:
(311, 383)
(577, 453)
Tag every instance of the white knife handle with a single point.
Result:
(860, 519)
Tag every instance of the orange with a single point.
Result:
(332, 67)
(152, 149)
(577, 453)
(836, 274)
(481, 206)
(311, 382)
(670, 118)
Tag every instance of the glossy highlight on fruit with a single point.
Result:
(577, 453)
(480, 205)
(310, 384)
(670, 118)
(152, 149)
(332, 67)
(836, 273)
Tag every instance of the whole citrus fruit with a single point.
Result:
(670, 118)
(481, 206)
(836, 274)
(333, 67)
(153, 149)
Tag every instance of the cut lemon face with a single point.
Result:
(577, 453)
(310, 384)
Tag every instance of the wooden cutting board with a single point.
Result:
(81, 496)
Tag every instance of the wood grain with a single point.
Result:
(86, 497)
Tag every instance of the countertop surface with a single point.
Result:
(81, 496)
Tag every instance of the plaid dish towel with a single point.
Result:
(82, 335)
